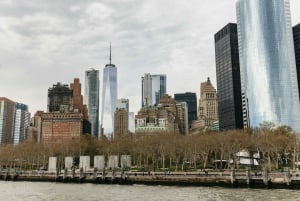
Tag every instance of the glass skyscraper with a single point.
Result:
(14, 121)
(109, 99)
(91, 99)
(7, 108)
(191, 100)
(153, 89)
(267, 60)
(296, 32)
(21, 123)
(228, 78)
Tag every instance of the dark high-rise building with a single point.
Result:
(91, 98)
(59, 96)
(228, 78)
(296, 32)
(191, 100)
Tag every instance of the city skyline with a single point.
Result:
(43, 43)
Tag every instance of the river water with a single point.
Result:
(37, 191)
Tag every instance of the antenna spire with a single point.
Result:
(110, 53)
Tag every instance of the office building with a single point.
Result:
(6, 120)
(61, 127)
(59, 97)
(21, 123)
(183, 121)
(156, 120)
(296, 33)
(153, 89)
(109, 98)
(121, 122)
(91, 99)
(131, 122)
(67, 121)
(230, 107)
(123, 103)
(35, 129)
(208, 104)
(191, 100)
(267, 60)
(77, 99)
(14, 121)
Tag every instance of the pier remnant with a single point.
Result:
(69, 162)
(84, 163)
(113, 162)
(287, 176)
(99, 162)
(52, 165)
(232, 176)
(248, 175)
(265, 174)
(125, 161)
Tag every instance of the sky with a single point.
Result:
(44, 42)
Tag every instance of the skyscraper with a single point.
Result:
(77, 99)
(21, 123)
(159, 87)
(6, 120)
(208, 104)
(191, 100)
(153, 89)
(123, 103)
(228, 78)
(68, 118)
(91, 98)
(14, 121)
(59, 96)
(296, 32)
(267, 59)
(121, 122)
(109, 98)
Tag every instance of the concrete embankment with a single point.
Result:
(229, 178)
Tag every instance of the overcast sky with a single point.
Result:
(44, 42)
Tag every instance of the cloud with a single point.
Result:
(44, 42)
(75, 8)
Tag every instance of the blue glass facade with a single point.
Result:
(91, 99)
(21, 123)
(109, 99)
(191, 100)
(267, 61)
(154, 87)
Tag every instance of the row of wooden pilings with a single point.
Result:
(95, 176)
(265, 177)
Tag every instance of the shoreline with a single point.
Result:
(226, 179)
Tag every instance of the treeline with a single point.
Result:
(277, 148)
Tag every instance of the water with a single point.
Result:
(36, 191)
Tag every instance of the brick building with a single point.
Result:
(121, 122)
(6, 120)
(67, 116)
